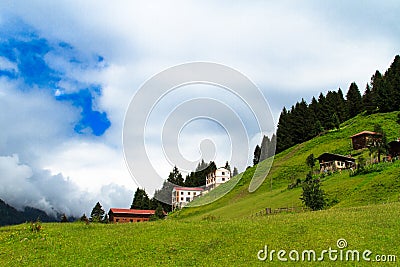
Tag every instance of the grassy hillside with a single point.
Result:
(365, 212)
(377, 187)
(205, 242)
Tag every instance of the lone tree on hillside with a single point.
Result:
(97, 213)
(313, 196)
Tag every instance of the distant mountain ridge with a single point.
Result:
(10, 215)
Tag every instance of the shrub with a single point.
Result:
(35, 226)
(209, 218)
(313, 196)
(368, 169)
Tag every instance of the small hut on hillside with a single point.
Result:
(333, 162)
(364, 139)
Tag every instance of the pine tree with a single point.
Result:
(392, 82)
(319, 127)
(175, 177)
(283, 133)
(380, 92)
(197, 178)
(97, 213)
(302, 120)
(201, 166)
(314, 107)
(341, 109)
(331, 102)
(272, 146)
(235, 171)
(141, 200)
(368, 100)
(314, 110)
(326, 108)
(159, 212)
(264, 148)
(257, 153)
(106, 219)
(336, 121)
(354, 100)
(84, 218)
(228, 167)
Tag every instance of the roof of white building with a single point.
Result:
(188, 188)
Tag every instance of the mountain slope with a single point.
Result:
(9, 215)
(341, 189)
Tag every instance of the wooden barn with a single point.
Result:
(333, 162)
(364, 139)
(129, 215)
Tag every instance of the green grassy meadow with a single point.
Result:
(207, 242)
(364, 210)
(374, 188)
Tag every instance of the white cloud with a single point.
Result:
(39, 150)
(34, 122)
(290, 49)
(7, 65)
(89, 164)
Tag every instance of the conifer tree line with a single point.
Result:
(266, 150)
(304, 121)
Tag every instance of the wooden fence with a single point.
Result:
(270, 211)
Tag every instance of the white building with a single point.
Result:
(217, 177)
(181, 196)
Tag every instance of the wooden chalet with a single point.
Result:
(333, 162)
(129, 215)
(364, 139)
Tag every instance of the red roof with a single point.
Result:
(365, 133)
(132, 211)
(189, 188)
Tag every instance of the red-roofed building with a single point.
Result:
(129, 215)
(181, 196)
(364, 139)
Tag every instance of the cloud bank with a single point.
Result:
(68, 70)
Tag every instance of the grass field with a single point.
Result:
(207, 242)
(365, 211)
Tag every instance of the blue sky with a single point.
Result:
(68, 70)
